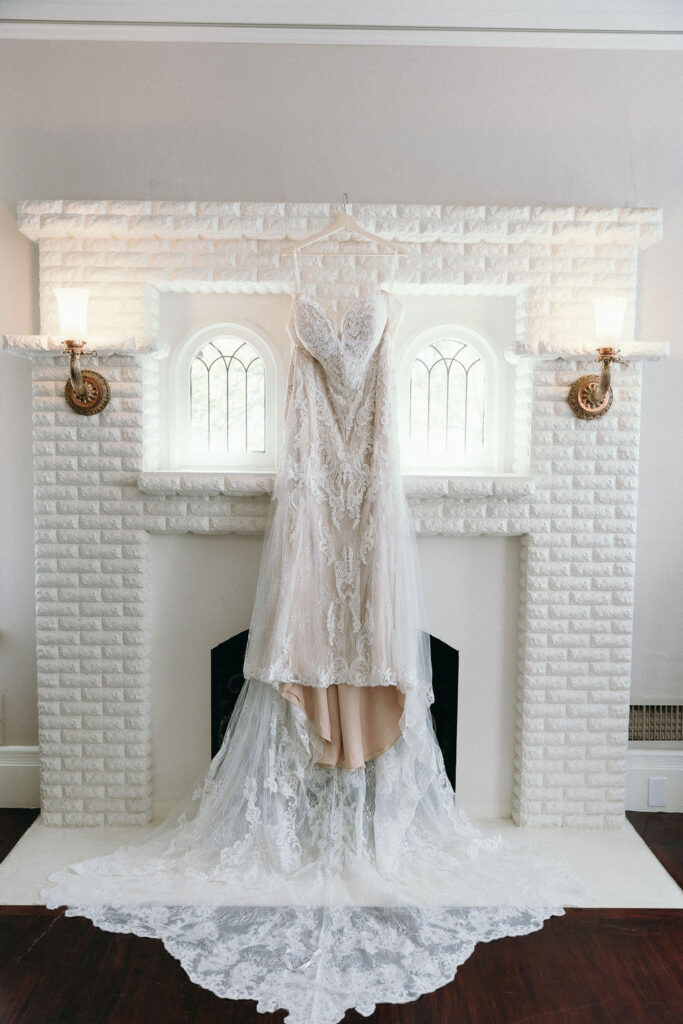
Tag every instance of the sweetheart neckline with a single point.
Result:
(338, 326)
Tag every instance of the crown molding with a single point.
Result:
(602, 24)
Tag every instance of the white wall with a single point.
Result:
(202, 593)
(17, 617)
(467, 126)
(472, 598)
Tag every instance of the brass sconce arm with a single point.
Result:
(75, 349)
(591, 396)
(87, 392)
(607, 356)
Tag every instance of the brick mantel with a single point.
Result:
(571, 497)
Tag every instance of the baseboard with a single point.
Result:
(645, 762)
(19, 777)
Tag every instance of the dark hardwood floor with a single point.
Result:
(586, 967)
(663, 834)
(13, 823)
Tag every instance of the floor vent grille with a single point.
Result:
(655, 722)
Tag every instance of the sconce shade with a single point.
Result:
(609, 313)
(73, 312)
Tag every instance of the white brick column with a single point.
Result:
(93, 687)
(577, 606)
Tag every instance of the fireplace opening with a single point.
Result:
(227, 681)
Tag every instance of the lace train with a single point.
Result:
(312, 888)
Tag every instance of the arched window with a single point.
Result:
(227, 383)
(225, 407)
(449, 403)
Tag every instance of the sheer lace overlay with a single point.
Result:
(339, 597)
(287, 881)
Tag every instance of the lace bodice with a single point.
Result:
(343, 354)
(334, 604)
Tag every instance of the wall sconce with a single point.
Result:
(87, 392)
(591, 396)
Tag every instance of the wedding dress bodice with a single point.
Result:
(344, 353)
(335, 603)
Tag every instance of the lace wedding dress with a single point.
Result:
(322, 861)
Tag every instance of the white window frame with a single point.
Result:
(490, 459)
(180, 453)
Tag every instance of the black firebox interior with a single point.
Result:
(227, 680)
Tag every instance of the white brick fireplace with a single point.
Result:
(568, 488)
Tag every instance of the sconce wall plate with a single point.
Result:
(96, 396)
(590, 396)
(584, 398)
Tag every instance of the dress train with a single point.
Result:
(299, 884)
(313, 888)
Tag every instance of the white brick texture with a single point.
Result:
(572, 497)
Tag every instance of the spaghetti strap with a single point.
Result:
(393, 269)
(297, 278)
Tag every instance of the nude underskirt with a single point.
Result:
(355, 723)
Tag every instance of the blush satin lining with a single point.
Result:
(355, 723)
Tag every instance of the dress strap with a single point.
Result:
(394, 260)
(297, 277)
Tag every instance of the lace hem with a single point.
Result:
(346, 969)
(324, 677)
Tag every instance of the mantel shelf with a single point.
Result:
(241, 483)
(53, 345)
(634, 351)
